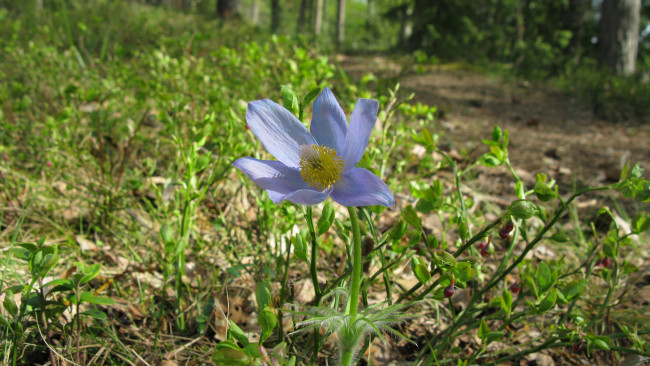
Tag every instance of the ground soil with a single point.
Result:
(550, 131)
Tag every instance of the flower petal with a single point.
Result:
(301, 197)
(329, 125)
(362, 120)
(360, 187)
(279, 131)
(271, 175)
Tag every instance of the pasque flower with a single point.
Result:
(313, 165)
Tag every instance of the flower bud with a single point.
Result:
(515, 288)
(503, 233)
(449, 290)
(605, 262)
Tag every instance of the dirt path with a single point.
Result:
(549, 132)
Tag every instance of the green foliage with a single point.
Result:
(143, 119)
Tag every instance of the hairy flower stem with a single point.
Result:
(355, 284)
(313, 268)
(314, 253)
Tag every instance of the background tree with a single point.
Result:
(276, 15)
(227, 9)
(340, 23)
(619, 35)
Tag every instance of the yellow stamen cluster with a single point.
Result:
(320, 166)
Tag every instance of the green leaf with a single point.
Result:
(300, 250)
(253, 350)
(63, 282)
(544, 277)
(420, 269)
(444, 260)
(91, 272)
(267, 321)
(290, 100)
(398, 231)
(531, 283)
(235, 332)
(548, 302)
(228, 353)
(506, 302)
(43, 260)
(493, 336)
(490, 160)
(463, 272)
(263, 295)
(520, 190)
(543, 192)
(409, 214)
(326, 219)
(608, 249)
(496, 134)
(483, 330)
(559, 237)
(428, 140)
(522, 209)
(311, 96)
(640, 223)
(97, 314)
(10, 304)
(636, 172)
(463, 228)
(98, 300)
(425, 206)
(573, 289)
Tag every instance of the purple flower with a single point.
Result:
(314, 165)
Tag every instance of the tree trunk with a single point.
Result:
(618, 39)
(318, 17)
(276, 15)
(255, 12)
(227, 9)
(340, 24)
(301, 16)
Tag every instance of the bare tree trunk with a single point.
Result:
(39, 5)
(276, 15)
(227, 9)
(369, 13)
(301, 16)
(255, 12)
(340, 24)
(318, 17)
(619, 35)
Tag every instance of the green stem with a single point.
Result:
(353, 300)
(314, 253)
(314, 275)
(347, 358)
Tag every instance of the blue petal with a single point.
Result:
(329, 125)
(362, 120)
(271, 175)
(301, 197)
(360, 187)
(278, 130)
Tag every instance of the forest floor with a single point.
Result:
(550, 132)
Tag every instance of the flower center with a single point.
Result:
(320, 166)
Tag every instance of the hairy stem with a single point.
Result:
(355, 284)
